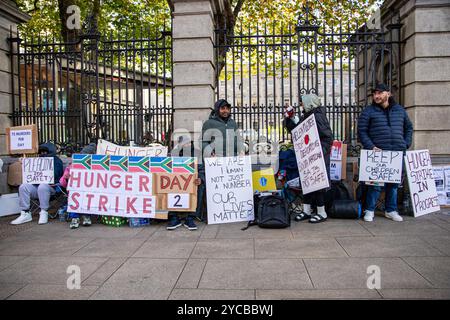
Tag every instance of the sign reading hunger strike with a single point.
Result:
(310, 161)
(133, 187)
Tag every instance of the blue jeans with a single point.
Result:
(373, 193)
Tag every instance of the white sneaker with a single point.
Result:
(43, 217)
(25, 216)
(368, 216)
(394, 216)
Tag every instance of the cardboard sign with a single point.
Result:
(229, 190)
(178, 201)
(22, 139)
(421, 182)
(338, 163)
(381, 166)
(310, 161)
(264, 180)
(133, 187)
(107, 148)
(38, 170)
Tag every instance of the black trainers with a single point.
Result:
(190, 224)
(174, 223)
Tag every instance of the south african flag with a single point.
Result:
(161, 164)
(81, 161)
(183, 165)
(118, 163)
(100, 162)
(138, 164)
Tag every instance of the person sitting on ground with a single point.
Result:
(64, 181)
(43, 192)
(311, 105)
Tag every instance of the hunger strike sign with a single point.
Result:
(133, 187)
(310, 161)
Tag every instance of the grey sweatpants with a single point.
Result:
(43, 192)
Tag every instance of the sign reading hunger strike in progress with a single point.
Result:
(381, 166)
(422, 185)
(310, 161)
(131, 186)
(229, 190)
(108, 148)
(38, 170)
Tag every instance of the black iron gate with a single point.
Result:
(119, 89)
(264, 71)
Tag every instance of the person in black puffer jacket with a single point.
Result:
(384, 125)
(311, 105)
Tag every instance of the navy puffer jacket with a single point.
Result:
(387, 129)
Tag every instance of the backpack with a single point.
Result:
(338, 191)
(271, 211)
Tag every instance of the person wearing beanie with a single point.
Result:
(64, 181)
(384, 125)
(311, 105)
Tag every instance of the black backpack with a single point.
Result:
(271, 211)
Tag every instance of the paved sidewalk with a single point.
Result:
(323, 261)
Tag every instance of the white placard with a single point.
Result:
(108, 148)
(38, 170)
(335, 170)
(21, 139)
(310, 161)
(381, 166)
(421, 182)
(229, 189)
(178, 201)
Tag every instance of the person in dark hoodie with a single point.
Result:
(384, 125)
(311, 105)
(43, 192)
(219, 133)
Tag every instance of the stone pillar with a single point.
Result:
(426, 74)
(10, 16)
(193, 62)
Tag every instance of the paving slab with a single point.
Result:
(435, 269)
(104, 272)
(8, 289)
(351, 273)
(7, 261)
(166, 248)
(224, 248)
(434, 294)
(142, 278)
(254, 274)
(329, 228)
(102, 231)
(48, 270)
(42, 247)
(192, 272)
(233, 231)
(353, 294)
(52, 292)
(312, 248)
(387, 246)
(210, 232)
(441, 243)
(380, 227)
(205, 294)
(110, 248)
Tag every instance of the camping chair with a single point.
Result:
(56, 201)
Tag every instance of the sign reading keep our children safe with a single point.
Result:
(132, 187)
(381, 166)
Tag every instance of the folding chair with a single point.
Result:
(56, 201)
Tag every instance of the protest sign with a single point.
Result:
(38, 170)
(310, 161)
(229, 190)
(381, 166)
(22, 139)
(338, 161)
(421, 182)
(447, 184)
(264, 180)
(132, 187)
(107, 148)
(439, 179)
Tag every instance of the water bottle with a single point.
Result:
(62, 214)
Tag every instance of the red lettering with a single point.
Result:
(101, 203)
(102, 179)
(148, 203)
(89, 196)
(186, 180)
(164, 182)
(175, 181)
(89, 182)
(130, 205)
(117, 204)
(75, 177)
(74, 196)
(144, 183)
(115, 181)
(129, 183)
